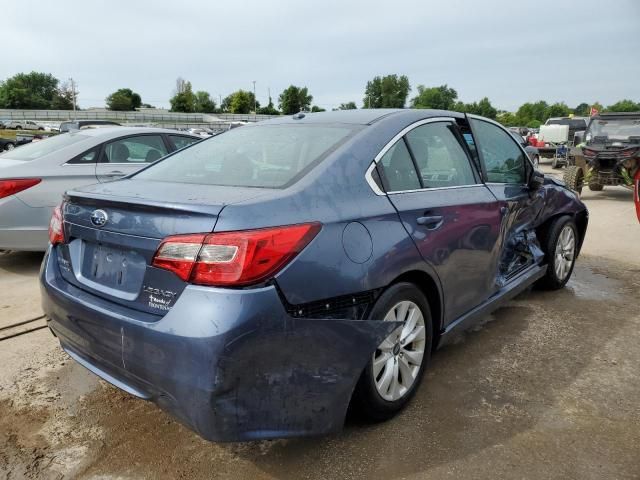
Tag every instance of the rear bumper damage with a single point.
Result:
(230, 364)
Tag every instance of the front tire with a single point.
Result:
(395, 370)
(561, 249)
(9, 146)
(574, 178)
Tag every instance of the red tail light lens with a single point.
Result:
(233, 258)
(56, 226)
(15, 185)
(628, 153)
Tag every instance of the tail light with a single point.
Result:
(233, 258)
(629, 152)
(589, 153)
(15, 185)
(56, 226)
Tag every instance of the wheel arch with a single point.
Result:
(580, 218)
(430, 288)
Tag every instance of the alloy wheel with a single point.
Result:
(565, 252)
(397, 361)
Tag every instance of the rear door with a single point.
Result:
(127, 155)
(506, 169)
(452, 217)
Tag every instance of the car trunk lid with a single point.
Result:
(113, 231)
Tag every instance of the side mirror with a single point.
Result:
(536, 180)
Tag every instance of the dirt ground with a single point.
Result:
(547, 387)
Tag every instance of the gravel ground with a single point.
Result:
(547, 387)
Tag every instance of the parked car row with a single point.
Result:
(21, 125)
(259, 283)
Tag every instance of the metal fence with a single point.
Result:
(140, 117)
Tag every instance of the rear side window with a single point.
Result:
(87, 157)
(397, 169)
(252, 156)
(34, 150)
(504, 161)
(439, 156)
(142, 149)
(180, 141)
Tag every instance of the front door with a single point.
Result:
(452, 217)
(506, 168)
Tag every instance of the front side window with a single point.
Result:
(268, 156)
(397, 170)
(142, 149)
(504, 161)
(440, 157)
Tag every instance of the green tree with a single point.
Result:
(316, 108)
(507, 119)
(582, 110)
(348, 106)
(442, 98)
(240, 101)
(269, 109)
(390, 91)
(123, 99)
(33, 90)
(204, 103)
(483, 107)
(295, 99)
(624, 106)
(558, 110)
(184, 100)
(63, 99)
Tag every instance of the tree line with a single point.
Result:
(43, 91)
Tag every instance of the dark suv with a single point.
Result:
(610, 153)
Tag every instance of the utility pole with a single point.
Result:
(73, 96)
(220, 98)
(255, 110)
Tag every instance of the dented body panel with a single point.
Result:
(232, 365)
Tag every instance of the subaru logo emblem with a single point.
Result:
(99, 218)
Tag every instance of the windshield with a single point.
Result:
(615, 129)
(34, 150)
(254, 156)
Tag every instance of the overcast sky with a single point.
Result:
(511, 51)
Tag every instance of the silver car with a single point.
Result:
(34, 177)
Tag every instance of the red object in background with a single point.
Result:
(594, 111)
(636, 192)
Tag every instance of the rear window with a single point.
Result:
(34, 150)
(271, 156)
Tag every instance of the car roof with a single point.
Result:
(117, 131)
(365, 116)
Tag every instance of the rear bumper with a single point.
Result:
(230, 364)
(23, 227)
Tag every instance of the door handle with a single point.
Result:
(115, 173)
(432, 222)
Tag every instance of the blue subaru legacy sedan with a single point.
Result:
(260, 283)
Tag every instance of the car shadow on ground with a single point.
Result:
(22, 263)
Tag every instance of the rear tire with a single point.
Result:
(9, 146)
(596, 187)
(574, 178)
(393, 375)
(560, 246)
